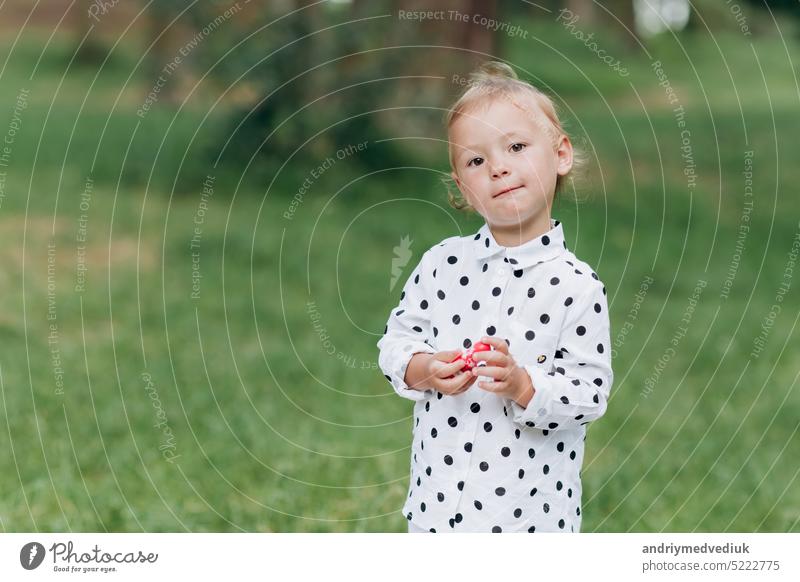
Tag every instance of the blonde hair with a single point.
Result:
(491, 80)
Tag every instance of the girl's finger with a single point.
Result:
(447, 370)
(491, 371)
(452, 384)
(446, 355)
(496, 343)
(470, 380)
(492, 386)
(494, 357)
(466, 386)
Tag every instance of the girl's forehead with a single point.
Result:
(502, 114)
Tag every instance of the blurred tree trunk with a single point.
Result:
(90, 51)
(162, 35)
(623, 21)
(624, 11)
(480, 38)
(469, 42)
(582, 8)
(457, 45)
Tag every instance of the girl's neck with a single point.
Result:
(519, 234)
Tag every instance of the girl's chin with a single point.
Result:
(508, 219)
(512, 207)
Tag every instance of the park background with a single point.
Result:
(204, 207)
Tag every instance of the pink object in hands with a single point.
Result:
(469, 362)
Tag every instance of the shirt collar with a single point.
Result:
(542, 248)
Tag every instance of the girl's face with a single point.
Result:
(507, 160)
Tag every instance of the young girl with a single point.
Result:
(499, 448)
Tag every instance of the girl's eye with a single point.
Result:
(516, 149)
(477, 160)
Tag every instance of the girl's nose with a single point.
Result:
(499, 171)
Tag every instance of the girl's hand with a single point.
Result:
(510, 381)
(439, 371)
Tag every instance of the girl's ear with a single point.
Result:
(564, 154)
(455, 178)
(460, 189)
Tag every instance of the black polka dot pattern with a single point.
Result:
(480, 462)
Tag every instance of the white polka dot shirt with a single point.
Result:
(481, 462)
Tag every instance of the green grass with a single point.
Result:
(276, 434)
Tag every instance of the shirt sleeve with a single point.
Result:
(409, 330)
(575, 390)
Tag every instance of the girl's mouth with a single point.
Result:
(504, 192)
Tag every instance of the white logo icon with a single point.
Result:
(402, 254)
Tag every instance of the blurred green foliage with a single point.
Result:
(274, 433)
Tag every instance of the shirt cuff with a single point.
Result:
(540, 405)
(398, 374)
